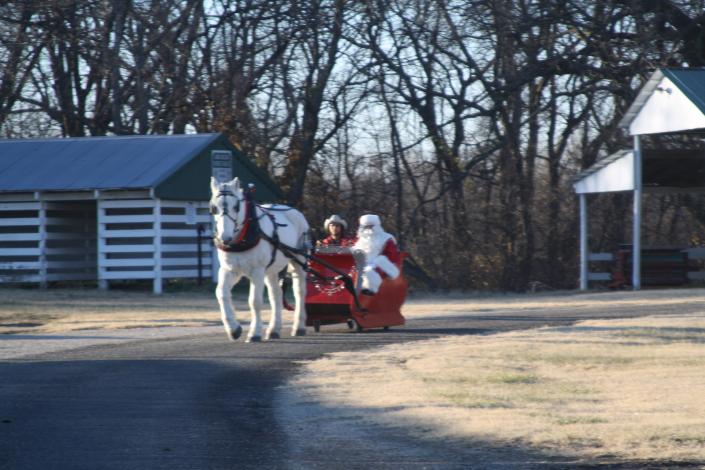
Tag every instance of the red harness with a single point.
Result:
(249, 235)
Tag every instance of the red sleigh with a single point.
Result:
(330, 301)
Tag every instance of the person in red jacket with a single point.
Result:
(335, 226)
(381, 253)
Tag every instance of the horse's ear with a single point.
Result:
(214, 185)
(235, 183)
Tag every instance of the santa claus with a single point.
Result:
(381, 253)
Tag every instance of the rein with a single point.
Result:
(291, 253)
(250, 234)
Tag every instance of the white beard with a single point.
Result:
(371, 242)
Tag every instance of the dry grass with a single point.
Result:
(461, 304)
(61, 310)
(630, 389)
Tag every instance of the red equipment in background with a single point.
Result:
(659, 267)
(329, 302)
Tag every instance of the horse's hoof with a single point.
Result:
(236, 334)
(300, 332)
(254, 339)
(273, 335)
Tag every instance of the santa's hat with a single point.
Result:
(335, 219)
(370, 219)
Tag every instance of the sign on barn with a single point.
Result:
(114, 208)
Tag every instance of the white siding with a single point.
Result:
(179, 249)
(616, 176)
(151, 239)
(667, 109)
(107, 240)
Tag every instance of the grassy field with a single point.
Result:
(632, 389)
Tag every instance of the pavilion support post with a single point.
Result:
(636, 232)
(584, 249)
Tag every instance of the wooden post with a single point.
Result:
(101, 256)
(157, 246)
(43, 262)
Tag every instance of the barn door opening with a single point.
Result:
(70, 242)
(47, 241)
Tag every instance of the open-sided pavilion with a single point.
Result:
(672, 102)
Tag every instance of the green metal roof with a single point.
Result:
(175, 167)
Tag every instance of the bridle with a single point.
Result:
(224, 193)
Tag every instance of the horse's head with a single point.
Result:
(228, 208)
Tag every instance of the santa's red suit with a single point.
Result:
(381, 253)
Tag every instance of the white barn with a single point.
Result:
(114, 208)
(671, 102)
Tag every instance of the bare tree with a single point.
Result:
(19, 53)
(313, 86)
(462, 121)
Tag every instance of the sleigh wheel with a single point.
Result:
(317, 326)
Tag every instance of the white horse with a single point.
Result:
(245, 234)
